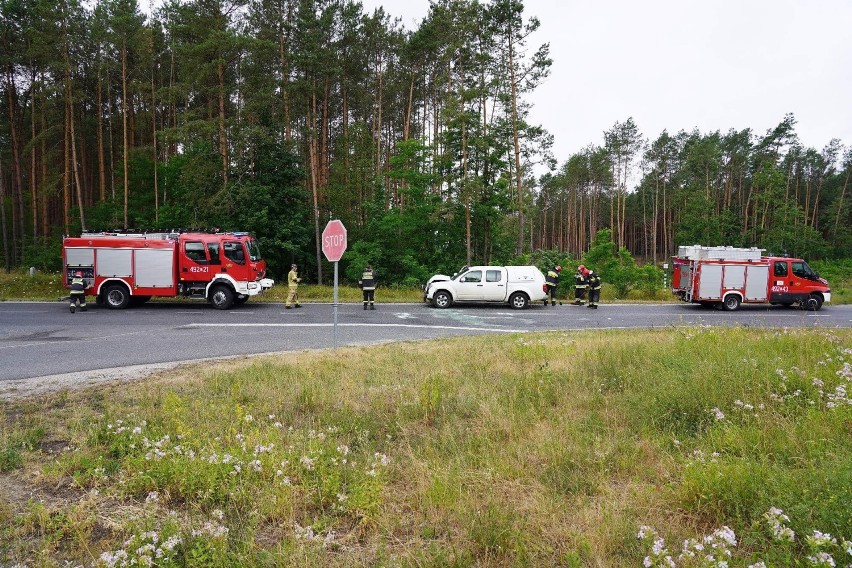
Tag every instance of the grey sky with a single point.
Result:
(682, 64)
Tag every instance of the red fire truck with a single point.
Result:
(729, 276)
(122, 269)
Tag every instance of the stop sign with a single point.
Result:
(334, 240)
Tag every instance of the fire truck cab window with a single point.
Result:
(234, 251)
(802, 270)
(213, 249)
(781, 268)
(195, 251)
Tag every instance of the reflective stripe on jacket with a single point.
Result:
(368, 280)
(594, 281)
(580, 280)
(78, 285)
(552, 278)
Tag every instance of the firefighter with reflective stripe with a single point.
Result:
(594, 288)
(367, 283)
(78, 292)
(580, 286)
(293, 287)
(552, 283)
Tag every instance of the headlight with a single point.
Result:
(252, 285)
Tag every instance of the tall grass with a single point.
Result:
(542, 450)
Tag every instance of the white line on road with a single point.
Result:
(492, 329)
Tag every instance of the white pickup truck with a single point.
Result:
(517, 285)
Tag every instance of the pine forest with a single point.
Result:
(275, 116)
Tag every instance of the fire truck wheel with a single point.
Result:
(731, 303)
(221, 297)
(814, 302)
(116, 297)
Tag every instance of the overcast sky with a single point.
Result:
(682, 64)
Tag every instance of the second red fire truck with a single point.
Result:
(729, 276)
(122, 269)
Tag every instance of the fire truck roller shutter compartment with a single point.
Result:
(155, 268)
(735, 276)
(114, 262)
(82, 260)
(756, 285)
(710, 287)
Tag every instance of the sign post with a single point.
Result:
(333, 247)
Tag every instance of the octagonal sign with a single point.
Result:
(334, 240)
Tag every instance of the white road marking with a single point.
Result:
(196, 325)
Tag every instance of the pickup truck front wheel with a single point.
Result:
(519, 301)
(442, 299)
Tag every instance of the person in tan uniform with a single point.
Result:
(293, 287)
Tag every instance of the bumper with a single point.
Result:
(255, 288)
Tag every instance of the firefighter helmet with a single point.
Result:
(78, 274)
(558, 268)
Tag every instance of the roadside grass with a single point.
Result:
(551, 449)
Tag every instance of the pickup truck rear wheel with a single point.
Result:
(519, 300)
(442, 299)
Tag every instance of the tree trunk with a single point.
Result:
(33, 159)
(223, 141)
(99, 107)
(66, 171)
(312, 156)
(124, 124)
(154, 142)
(7, 262)
(516, 143)
(17, 178)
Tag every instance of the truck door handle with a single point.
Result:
(479, 285)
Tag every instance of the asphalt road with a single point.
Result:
(40, 339)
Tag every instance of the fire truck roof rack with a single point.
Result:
(153, 234)
(698, 252)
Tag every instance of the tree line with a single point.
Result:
(275, 116)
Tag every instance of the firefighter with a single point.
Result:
(293, 287)
(580, 286)
(78, 292)
(552, 283)
(594, 288)
(367, 283)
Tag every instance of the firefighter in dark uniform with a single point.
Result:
(594, 288)
(552, 283)
(78, 292)
(367, 284)
(580, 286)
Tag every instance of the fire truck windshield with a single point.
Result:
(254, 250)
